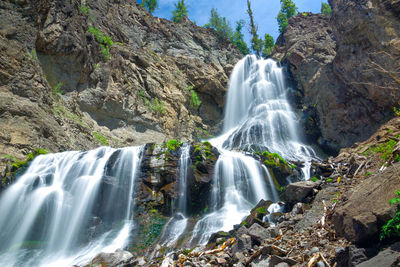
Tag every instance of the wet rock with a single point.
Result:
(299, 192)
(119, 257)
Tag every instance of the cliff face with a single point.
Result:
(347, 68)
(64, 85)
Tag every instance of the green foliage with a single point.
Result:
(104, 40)
(57, 89)
(397, 158)
(329, 180)
(187, 251)
(194, 100)
(268, 45)
(173, 144)
(288, 10)
(221, 26)
(326, 9)
(385, 149)
(189, 88)
(180, 11)
(396, 111)
(256, 42)
(158, 106)
(84, 9)
(314, 179)
(150, 5)
(368, 174)
(33, 55)
(238, 38)
(100, 138)
(392, 227)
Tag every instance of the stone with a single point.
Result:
(313, 250)
(367, 208)
(258, 233)
(244, 244)
(387, 257)
(119, 257)
(282, 264)
(274, 260)
(299, 192)
(350, 256)
(321, 264)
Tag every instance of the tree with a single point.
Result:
(220, 25)
(268, 45)
(150, 5)
(256, 43)
(238, 38)
(288, 10)
(326, 9)
(180, 11)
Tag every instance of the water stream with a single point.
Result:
(68, 207)
(258, 117)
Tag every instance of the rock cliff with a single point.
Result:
(346, 68)
(79, 74)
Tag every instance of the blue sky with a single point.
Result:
(265, 12)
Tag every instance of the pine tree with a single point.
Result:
(180, 11)
(288, 10)
(150, 5)
(220, 25)
(238, 38)
(268, 45)
(256, 43)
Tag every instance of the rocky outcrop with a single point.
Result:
(76, 75)
(345, 67)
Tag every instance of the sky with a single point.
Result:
(265, 12)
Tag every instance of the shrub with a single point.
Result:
(104, 40)
(195, 101)
(57, 89)
(326, 9)
(100, 138)
(392, 227)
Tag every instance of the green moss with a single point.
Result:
(19, 166)
(314, 179)
(273, 159)
(57, 89)
(100, 138)
(261, 210)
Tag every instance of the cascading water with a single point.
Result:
(68, 207)
(176, 225)
(257, 117)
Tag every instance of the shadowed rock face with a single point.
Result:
(345, 67)
(152, 61)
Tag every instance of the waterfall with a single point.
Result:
(258, 117)
(68, 207)
(176, 226)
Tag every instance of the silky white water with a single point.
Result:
(258, 117)
(176, 226)
(68, 207)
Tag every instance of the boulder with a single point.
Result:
(299, 192)
(119, 257)
(258, 233)
(387, 257)
(368, 208)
